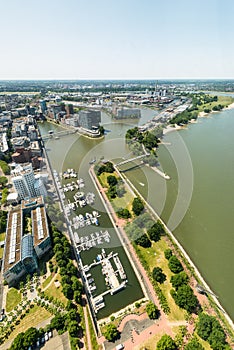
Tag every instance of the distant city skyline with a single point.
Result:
(124, 40)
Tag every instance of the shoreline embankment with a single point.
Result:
(174, 240)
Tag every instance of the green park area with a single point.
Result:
(13, 299)
(122, 197)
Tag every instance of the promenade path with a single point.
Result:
(128, 336)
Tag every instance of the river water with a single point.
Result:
(197, 202)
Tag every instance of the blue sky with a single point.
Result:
(124, 39)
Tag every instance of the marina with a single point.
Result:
(115, 280)
(105, 276)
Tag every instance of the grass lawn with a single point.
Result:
(2, 236)
(1, 252)
(150, 344)
(36, 315)
(223, 100)
(13, 299)
(47, 281)
(125, 201)
(56, 292)
(94, 342)
(154, 256)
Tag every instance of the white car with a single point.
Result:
(50, 334)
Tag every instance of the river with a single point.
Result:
(200, 162)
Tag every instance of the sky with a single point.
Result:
(116, 39)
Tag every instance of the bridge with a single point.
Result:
(57, 134)
(132, 159)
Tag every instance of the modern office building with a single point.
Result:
(124, 113)
(24, 248)
(43, 105)
(89, 119)
(25, 183)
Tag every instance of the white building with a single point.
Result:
(25, 183)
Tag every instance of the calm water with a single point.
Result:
(200, 162)
(206, 230)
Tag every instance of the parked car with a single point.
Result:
(2, 312)
(50, 334)
(46, 337)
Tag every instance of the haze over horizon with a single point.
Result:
(128, 40)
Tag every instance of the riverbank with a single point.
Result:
(174, 240)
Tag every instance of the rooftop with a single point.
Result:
(13, 239)
(39, 225)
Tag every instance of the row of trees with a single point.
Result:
(5, 167)
(168, 343)
(184, 117)
(182, 293)
(25, 339)
(71, 288)
(209, 329)
(3, 220)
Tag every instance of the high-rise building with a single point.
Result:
(43, 105)
(25, 183)
(89, 119)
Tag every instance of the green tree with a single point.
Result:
(30, 336)
(152, 311)
(5, 167)
(179, 279)
(175, 265)
(3, 181)
(158, 275)
(123, 213)
(109, 167)
(111, 333)
(137, 206)
(166, 343)
(68, 291)
(209, 329)
(112, 192)
(185, 298)
(111, 180)
(18, 342)
(152, 160)
(73, 329)
(77, 297)
(167, 253)
(143, 241)
(193, 344)
(156, 231)
(58, 322)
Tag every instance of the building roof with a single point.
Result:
(13, 239)
(27, 246)
(39, 225)
(32, 202)
(12, 196)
